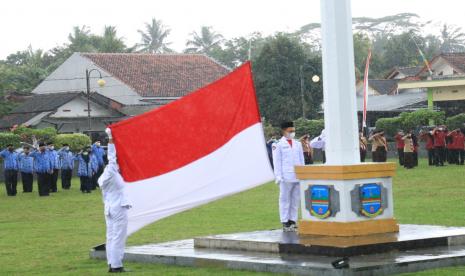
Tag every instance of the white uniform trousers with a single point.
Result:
(289, 200)
(117, 225)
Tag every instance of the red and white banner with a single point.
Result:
(203, 147)
(365, 89)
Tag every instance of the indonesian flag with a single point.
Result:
(365, 90)
(205, 146)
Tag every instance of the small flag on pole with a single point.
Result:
(365, 89)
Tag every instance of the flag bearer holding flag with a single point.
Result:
(287, 153)
(116, 206)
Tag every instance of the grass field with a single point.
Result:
(52, 236)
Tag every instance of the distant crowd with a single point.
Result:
(46, 162)
(442, 145)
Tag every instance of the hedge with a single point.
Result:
(42, 135)
(312, 127)
(76, 141)
(410, 120)
(457, 121)
(9, 138)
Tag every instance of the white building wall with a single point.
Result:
(78, 108)
(71, 76)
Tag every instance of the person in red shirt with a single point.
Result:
(458, 146)
(427, 137)
(400, 146)
(450, 149)
(439, 136)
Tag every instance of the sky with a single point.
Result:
(45, 24)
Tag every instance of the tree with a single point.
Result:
(204, 42)
(153, 39)
(110, 42)
(453, 39)
(400, 50)
(80, 40)
(277, 79)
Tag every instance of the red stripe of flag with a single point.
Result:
(188, 129)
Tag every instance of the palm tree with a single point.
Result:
(453, 39)
(204, 42)
(153, 39)
(81, 40)
(110, 42)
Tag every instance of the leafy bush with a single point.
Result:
(76, 141)
(457, 121)
(43, 135)
(312, 127)
(410, 120)
(9, 138)
(389, 125)
(421, 117)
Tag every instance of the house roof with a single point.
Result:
(10, 120)
(160, 75)
(397, 102)
(44, 102)
(456, 60)
(410, 71)
(384, 87)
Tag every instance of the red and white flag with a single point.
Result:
(203, 147)
(365, 89)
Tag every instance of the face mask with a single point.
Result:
(85, 153)
(51, 147)
(98, 144)
(66, 148)
(291, 135)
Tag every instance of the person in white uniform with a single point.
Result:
(116, 206)
(288, 153)
(319, 142)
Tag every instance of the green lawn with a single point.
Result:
(53, 235)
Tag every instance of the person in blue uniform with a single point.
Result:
(10, 164)
(98, 152)
(288, 153)
(43, 168)
(26, 168)
(66, 163)
(55, 167)
(87, 168)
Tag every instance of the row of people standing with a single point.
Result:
(46, 163)
(444, 146)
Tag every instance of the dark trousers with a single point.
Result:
(86, 184)
(308, 158)
(460, 156)
(379, 155)
(11, 181)
(66, 175)
(415, 159)
(431, 157)
(400, 152)
(43, 181)
(324, 156)
(439, 153)
(363, 155)
(96, 176)
(53, 181)
(27, 180)
(409, 160)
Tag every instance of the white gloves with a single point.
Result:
(108, 132)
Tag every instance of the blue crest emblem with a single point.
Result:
(370, 199)
(319, 198)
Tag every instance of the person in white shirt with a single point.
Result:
(116, 206)
(288, 153)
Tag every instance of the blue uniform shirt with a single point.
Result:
(42, 162)
(86, 169)
(26, 163)
(54, 158)
(66, 159)
(10, 159)
(98, 152)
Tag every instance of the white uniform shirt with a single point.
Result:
(285, 158)
(112, 184)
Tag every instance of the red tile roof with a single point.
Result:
(160, 75)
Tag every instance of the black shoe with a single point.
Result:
(118, 270)
(341, 263)
(286, 227)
